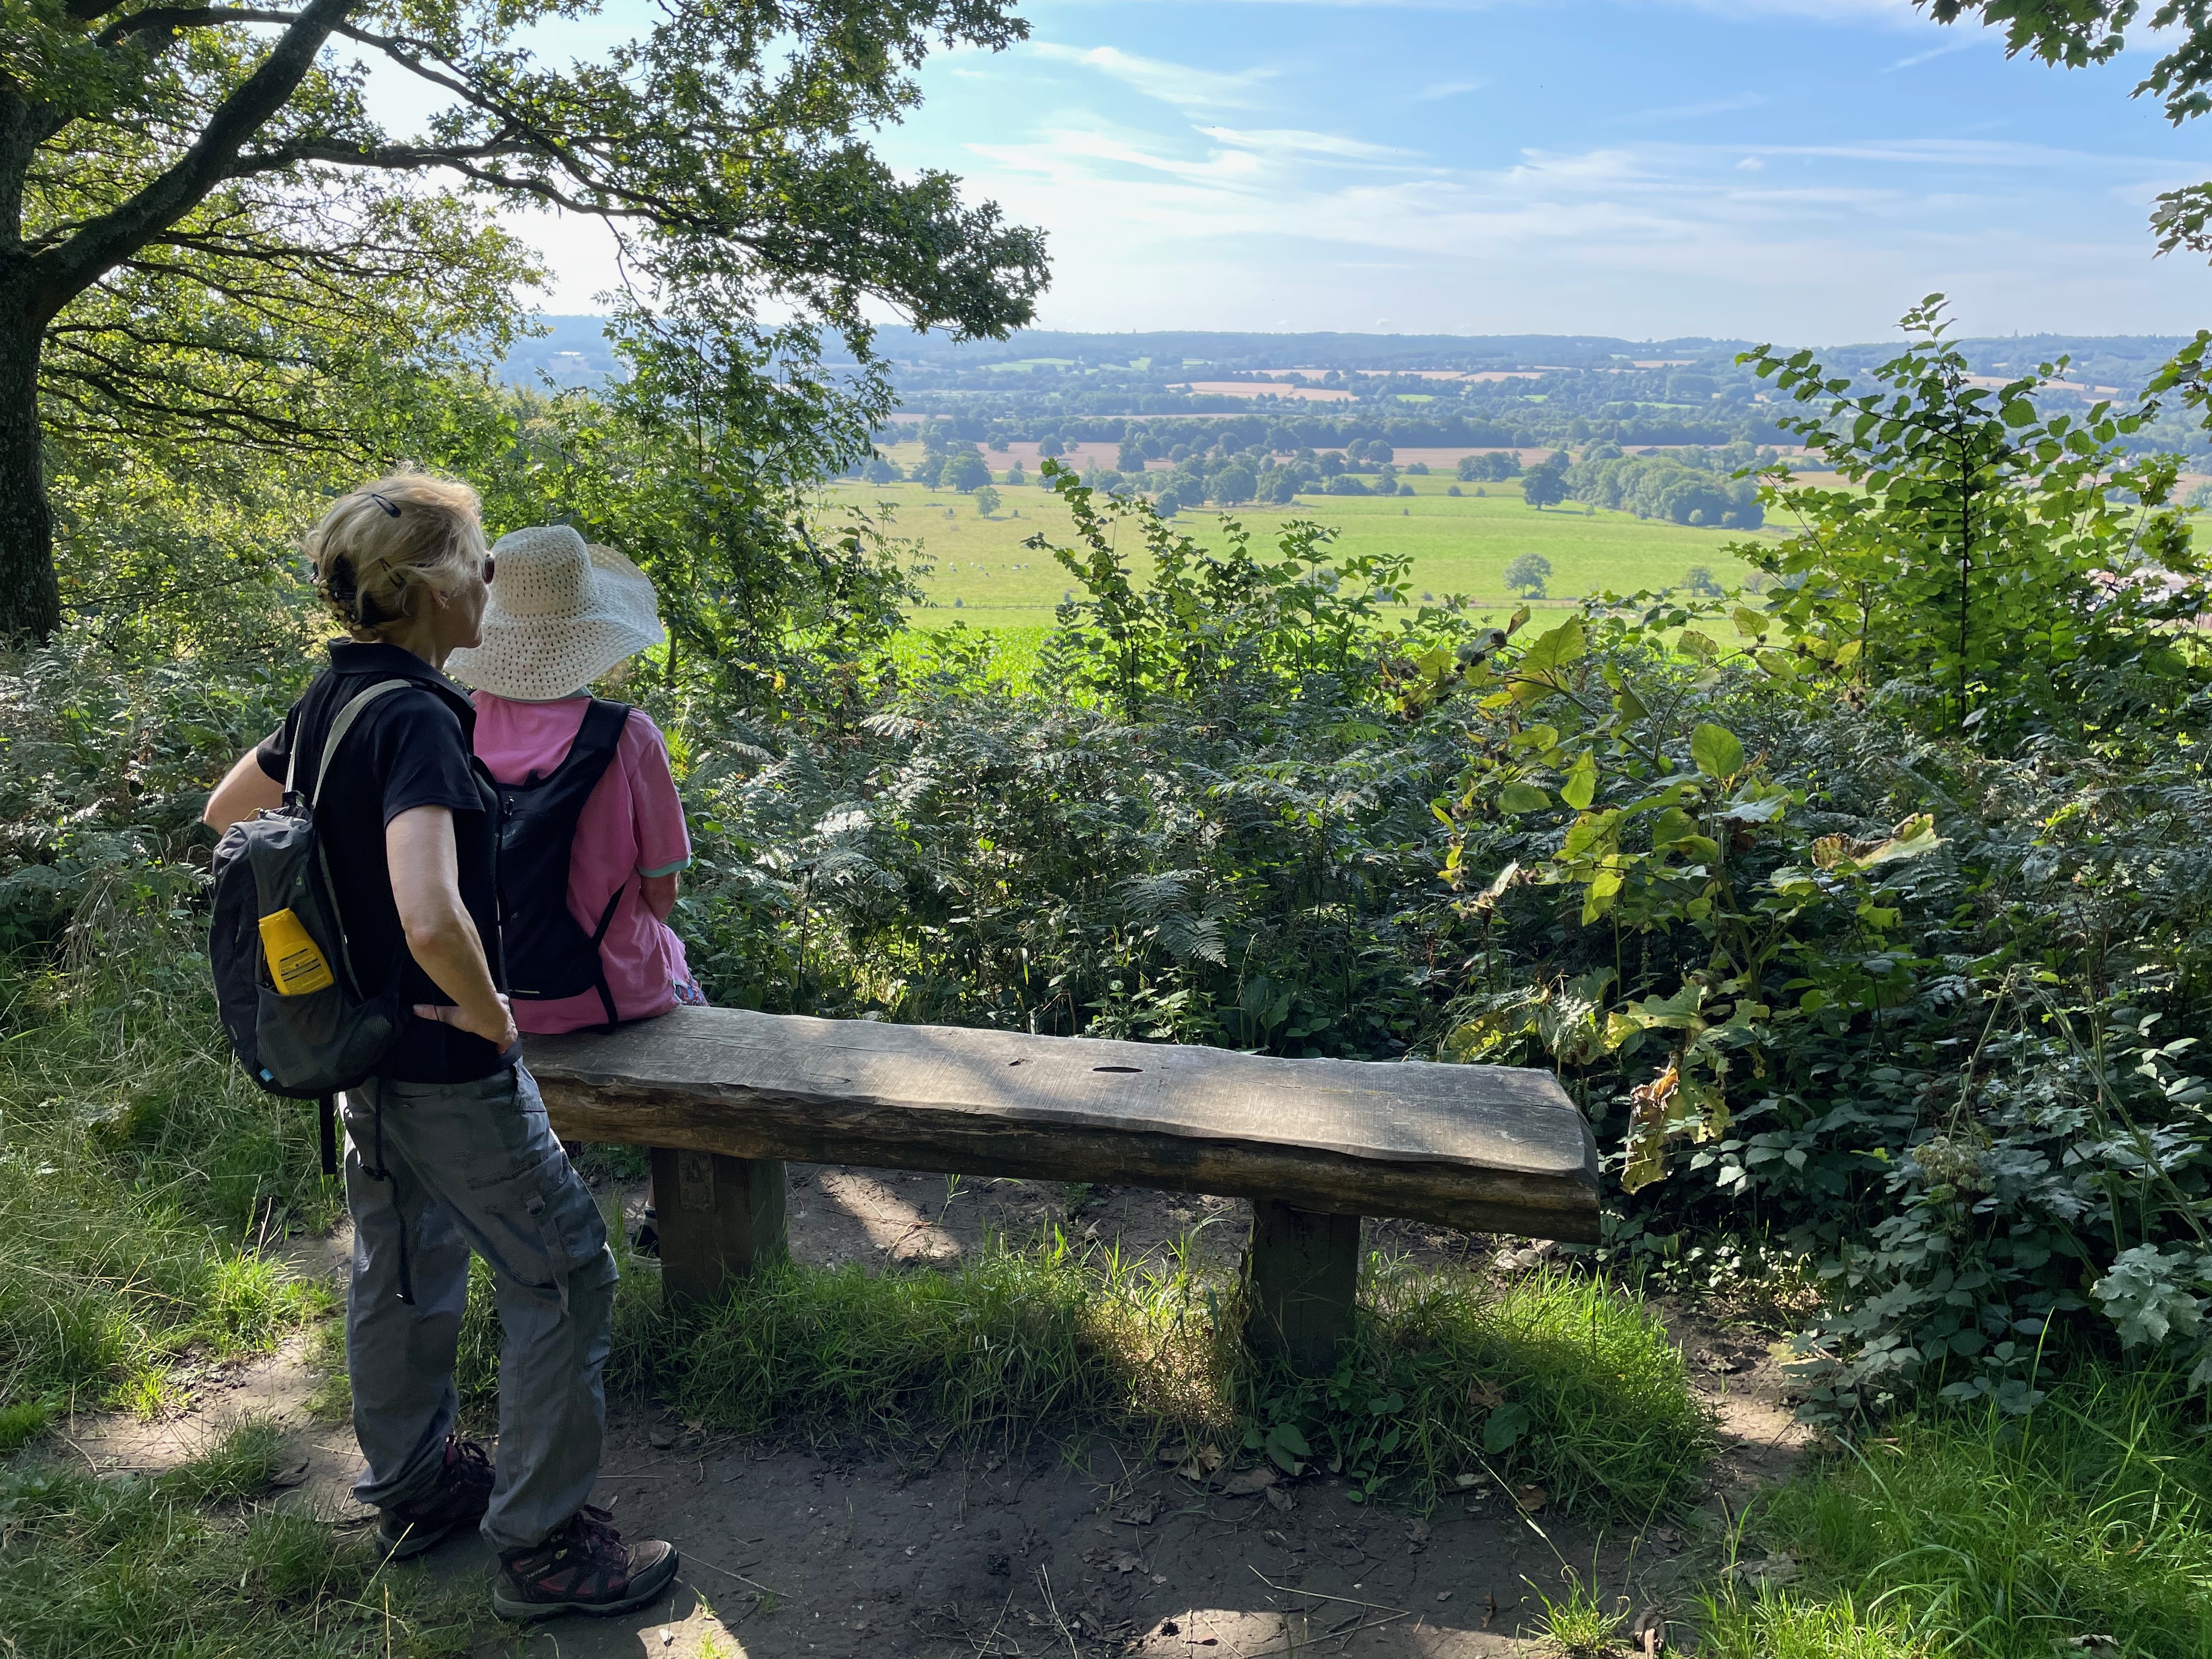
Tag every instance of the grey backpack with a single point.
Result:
(300, 1020)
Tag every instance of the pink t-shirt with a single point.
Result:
(632, 826)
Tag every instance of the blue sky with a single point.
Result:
(1799, 171)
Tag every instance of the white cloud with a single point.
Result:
(1296, 141)
(1211, 227)
(1447, 89)
(1944, 51)
(1178, 84)
(1692, 112)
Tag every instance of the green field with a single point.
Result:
(981, 574)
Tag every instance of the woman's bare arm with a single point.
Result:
(658, 893)
(426, 885)
(245, 790)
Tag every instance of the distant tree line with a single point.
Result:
(1696, 486)
(1666, 486)
(1287, 435)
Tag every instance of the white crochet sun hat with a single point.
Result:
(561, 614)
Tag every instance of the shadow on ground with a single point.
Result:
(1080, 1552)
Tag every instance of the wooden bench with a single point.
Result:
(722, 1096)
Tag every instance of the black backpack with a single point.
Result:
(548, 955)
(299, 1019)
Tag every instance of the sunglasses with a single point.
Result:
(392, 508)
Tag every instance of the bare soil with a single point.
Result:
(1077, 1550)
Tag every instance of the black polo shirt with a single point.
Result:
(412, 747)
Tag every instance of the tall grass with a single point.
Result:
(140, 1176)
(93, 1568)
(2001, 1538)
(1050, 1339)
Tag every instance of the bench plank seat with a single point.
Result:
(723, 1094)
(1489, 1148)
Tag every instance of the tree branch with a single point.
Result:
(61, 273)
(167, 20)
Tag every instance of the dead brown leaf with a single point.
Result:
(1200, 1463)
(1531, 1498)
(1245, 1482)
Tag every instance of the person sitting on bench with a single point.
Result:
(592, 834)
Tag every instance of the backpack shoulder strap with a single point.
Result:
(339, 727)
(602, 727)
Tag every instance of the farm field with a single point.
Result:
(981, 574)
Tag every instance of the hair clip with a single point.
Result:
(390, 506)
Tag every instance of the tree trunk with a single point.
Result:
(30, 596)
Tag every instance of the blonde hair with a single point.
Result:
(377, 548)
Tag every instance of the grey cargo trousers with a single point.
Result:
(474, 1167)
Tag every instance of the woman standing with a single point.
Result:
(448, 1150)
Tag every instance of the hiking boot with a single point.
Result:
(582, 1567)
(459, 1499)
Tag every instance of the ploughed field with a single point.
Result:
(981, 574)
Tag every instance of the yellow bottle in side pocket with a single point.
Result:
(295, 966)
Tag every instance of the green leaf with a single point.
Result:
(1593, 834)
(1581, 785)
(1717, 751)
(1502, 1429)
(1538, 674)
(1522, 798)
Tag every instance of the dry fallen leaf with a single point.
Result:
(1279, 1498)
(1482, 1396)
(1778, 1569)
(1141, 1513)
(1200, 1463)
(1417, 1532)
(1245, 1482)
(1531, 1498)
(1125, 1562)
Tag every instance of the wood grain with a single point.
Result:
(1493, 1148)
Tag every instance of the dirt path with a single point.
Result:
(1074, 1551)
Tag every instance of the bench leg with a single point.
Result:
(1300, 1272)
(719, 1217)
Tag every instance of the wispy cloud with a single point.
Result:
(1693, 112)
(1186, 88)
(1447, 89)
(1296, 142)
(1928, 56)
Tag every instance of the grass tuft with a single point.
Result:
(1577, 1626)
(240, 1465)
(101, 1568)
(21, 1424)
(1554, 1381)
(1980, 1534)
